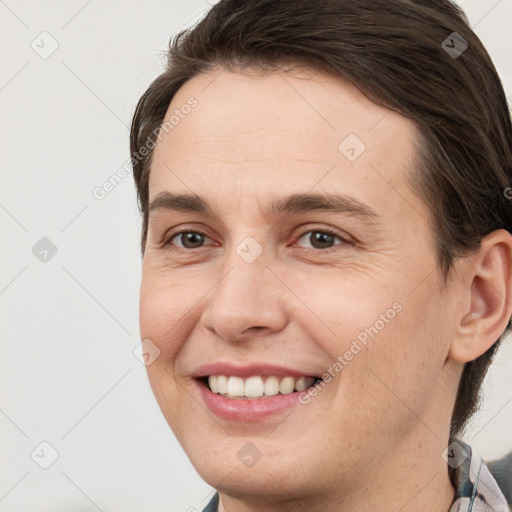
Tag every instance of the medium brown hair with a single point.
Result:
(399, 53)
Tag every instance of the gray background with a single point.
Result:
(70, 324)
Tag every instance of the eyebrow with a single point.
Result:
(294, 203)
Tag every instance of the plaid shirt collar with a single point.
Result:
(476, 488)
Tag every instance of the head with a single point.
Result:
(364, 101)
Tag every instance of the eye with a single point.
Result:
(323, 239)
(188, 239)
(320, 239)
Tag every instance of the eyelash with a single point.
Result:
(345, 241)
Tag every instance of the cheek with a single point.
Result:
(167, 315)
(393, 346)
(403, 363)
(160, 317)
(166, 306)
(338, 308)
(161, 314)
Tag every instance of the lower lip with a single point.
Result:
(247, 410)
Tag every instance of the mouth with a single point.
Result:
(253, 392)
(256, 387)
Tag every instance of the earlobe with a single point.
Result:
(487, 289)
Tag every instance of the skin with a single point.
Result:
(373, 438)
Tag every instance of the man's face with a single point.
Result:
(264, 289)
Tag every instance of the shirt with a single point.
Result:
(476, 490)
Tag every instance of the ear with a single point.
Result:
(485, 295)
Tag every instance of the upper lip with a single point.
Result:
(248, 370)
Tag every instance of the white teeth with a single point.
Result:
(300, 384)
(271, 386)
(222, 384)
(256, 386)
(213, 383)
(235, 386)
(287, 386)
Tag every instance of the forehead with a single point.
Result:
(270, 131)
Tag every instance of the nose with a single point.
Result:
(248, 301)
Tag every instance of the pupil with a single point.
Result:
(324, 239)
(189, 237)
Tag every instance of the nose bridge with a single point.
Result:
(245, 295)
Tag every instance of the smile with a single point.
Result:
(256, 386)
(251, 392)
